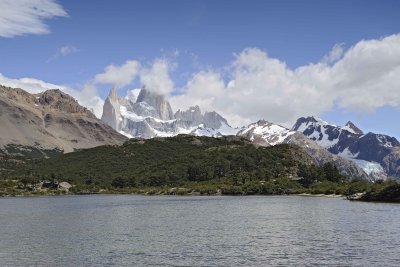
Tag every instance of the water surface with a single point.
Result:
(125, 230)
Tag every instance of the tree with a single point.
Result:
(119, 182)
(331, 172)
(199, 172)
(221, 168)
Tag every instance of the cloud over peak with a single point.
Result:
(119, 76)
(361, 79)
(27, 16)
(155, 77)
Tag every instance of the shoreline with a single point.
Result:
(196, 194)
(343, 197)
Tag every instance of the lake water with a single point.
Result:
(125, 230)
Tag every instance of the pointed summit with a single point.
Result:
(303, 122)
(151, 104)
(111, 110)
(352, 128)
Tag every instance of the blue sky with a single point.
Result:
(205, 36)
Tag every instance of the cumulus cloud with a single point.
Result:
(119, 76)
(87, 97)
(361, 79)
(27, 16)
(157, 77)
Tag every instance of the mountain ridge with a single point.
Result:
(50, 120)
(265, 133)
(150, 115)
(379, 152)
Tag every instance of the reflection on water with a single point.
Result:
(179, 231)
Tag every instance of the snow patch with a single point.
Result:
(347, 154)
(349, 129)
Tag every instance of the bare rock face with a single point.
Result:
(192, 115)
(209, 120)
(321, 156)
(50, 120)
(56, 100)
(149, 104)
(111, 110)
(214, 120)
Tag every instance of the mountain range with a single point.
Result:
(54, 120)
(149, 114)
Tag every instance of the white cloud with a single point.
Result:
(119, 76)
(21, 17)
(361, 79)
(88, 97)
(68, 49)
(335, 54)
(202, 90)
(157, 78)
(64, 51)
(368, 76)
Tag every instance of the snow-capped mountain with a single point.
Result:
(377, 154)
(265, 133)
(149, 114)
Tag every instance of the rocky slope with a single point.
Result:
(377, 154)
(265, 133)
(150, 115)
(49, 120)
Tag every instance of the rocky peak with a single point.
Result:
(214, 120)
(304, 122)
(193, 114)
(57, 100)
(113, 95)
(151, 104)
(16, 94)
(263, 132)
(111, 110)
(209, 119)
(349, 126)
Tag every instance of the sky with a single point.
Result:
(248, 60)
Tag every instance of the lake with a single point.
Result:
(130, 230)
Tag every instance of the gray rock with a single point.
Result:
(111, 110)
(150, 104)
(64, 186)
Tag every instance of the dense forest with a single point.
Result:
(178, 160)
(185, 164)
